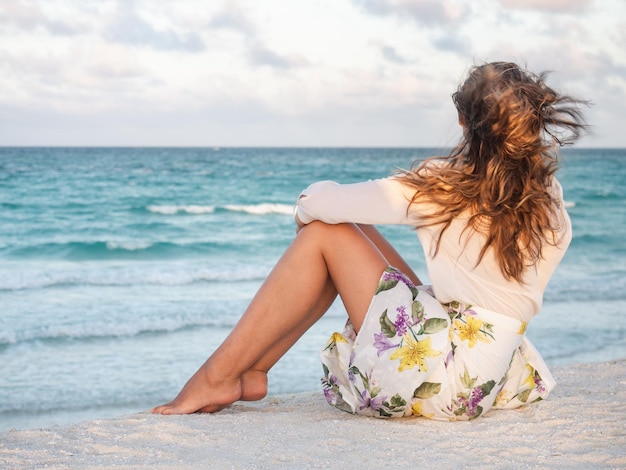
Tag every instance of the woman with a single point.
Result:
(491, 221)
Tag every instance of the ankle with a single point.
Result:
(253, 385)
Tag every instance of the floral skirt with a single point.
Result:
(415, 356)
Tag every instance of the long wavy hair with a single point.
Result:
(501, 170)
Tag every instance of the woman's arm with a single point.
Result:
(381, 201)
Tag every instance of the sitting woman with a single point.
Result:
(492, 224)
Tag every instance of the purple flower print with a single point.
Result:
(402, 320)
(330, 386)
(539, 384)
(476, 396)
(397, 276)
(351, 377)
(449, 357)
(382, 344)
(330, 395)
(370, 402)
(474, 399)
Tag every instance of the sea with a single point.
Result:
(122, 269)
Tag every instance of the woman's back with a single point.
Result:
(456, 274)
(494, 227)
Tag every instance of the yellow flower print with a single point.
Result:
(503, 397)
(471, 330)
(338, 338)
(530, 380)
(418, 409)
(414, 353)
(334, 339)
(522, 328)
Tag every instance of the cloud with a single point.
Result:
(260, 55)
(324, 72)
(230, 16)
(392, 55)
(556, 6)
(457, 44)
(130, 29)
(30, 18)
(426, 12)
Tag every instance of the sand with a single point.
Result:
(581, 425)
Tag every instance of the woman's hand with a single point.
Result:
(299, 223)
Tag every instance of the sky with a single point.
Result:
(355, 73)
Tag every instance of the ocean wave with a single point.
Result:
(108, 329)
(111, 249)
(608, 286)
(265, 208)
(165, 275)
(182, 209)
(261, 209)
(569, 204)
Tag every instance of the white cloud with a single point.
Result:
(30, 16)
(128, 27)
(425, 12)
(320, 72)
(558, 6)
(391, 54)
(231, 16)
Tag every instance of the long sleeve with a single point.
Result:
(454, 272)
(381, 201)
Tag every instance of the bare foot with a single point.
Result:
(202, 392)
(253, 385)
(253, 388)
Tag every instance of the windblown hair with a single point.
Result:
(500, 172)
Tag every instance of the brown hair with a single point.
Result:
(502, 168)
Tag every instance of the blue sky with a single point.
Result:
(289, 72)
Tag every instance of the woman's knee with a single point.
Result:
(333, 234)
(322, 227)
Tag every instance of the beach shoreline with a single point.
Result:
(580, 425)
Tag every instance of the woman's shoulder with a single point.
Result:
(434, 162)
(555, 186)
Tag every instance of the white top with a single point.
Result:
(453, 272)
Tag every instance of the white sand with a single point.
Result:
(581, 425)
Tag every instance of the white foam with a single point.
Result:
(128, 275)
(103, 328)
(569, 204)
(175, 209)
(261, 209)
(129, 246)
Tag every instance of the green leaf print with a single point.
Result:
(387, 326)
(477, 412)
(414, 291)
(461, 411)
(386, 285)
(487, 387)
(417, 311)
(523, 397)
(467, 381)
(355, 370)
(435, 325)
(397, 401)
(396, 404)
(427, 390)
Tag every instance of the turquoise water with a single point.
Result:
(122, 269)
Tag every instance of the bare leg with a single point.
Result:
(389, 252)
(254, 380)
(322, 261)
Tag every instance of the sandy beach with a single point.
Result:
(581, 425)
